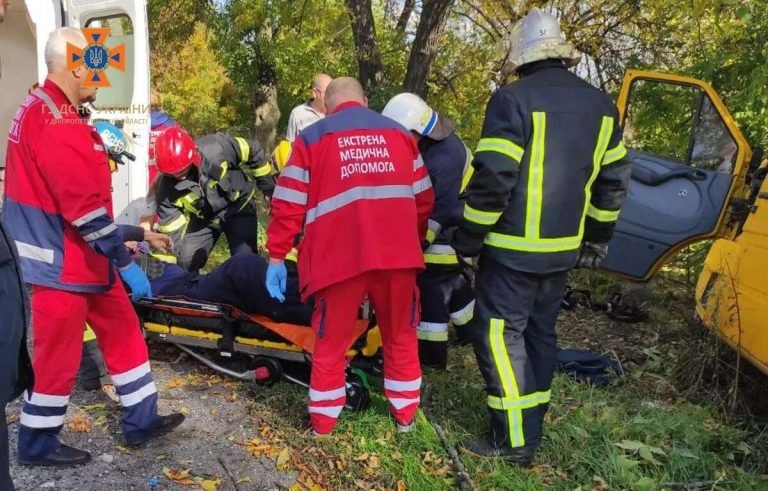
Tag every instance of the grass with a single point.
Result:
(640, 434)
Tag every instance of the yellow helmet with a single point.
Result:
(281, 154)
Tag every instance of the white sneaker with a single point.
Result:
(406, 428)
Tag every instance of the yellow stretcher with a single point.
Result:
(266, 348)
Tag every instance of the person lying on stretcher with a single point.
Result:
(238, 281)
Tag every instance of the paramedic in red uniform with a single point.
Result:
(356, 181)
(58, 208)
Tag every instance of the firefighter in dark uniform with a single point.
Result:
(15, 367)
(551, 174)
(446, 295)
(208, 187)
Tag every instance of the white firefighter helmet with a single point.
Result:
(416, 115)
(536, 37)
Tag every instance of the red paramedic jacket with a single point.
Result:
(58, 205)
(356, 182)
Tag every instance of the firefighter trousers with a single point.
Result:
(395, 298)
(201, 236)
(516, 346)
(446, 298)
(58, 318)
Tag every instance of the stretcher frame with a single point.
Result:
(228, 343)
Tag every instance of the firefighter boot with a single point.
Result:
(520, 456)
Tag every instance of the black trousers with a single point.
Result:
(241, 231)
(446, 298)
(516, 345)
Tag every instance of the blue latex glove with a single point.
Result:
(137, 281)
(276, 279)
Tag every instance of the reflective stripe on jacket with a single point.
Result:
(357, 184)
(58, 196)
(550, 171)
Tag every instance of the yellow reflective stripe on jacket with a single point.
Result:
(187, 203)
(536, 177)
(245, 149)
(616, 153)
(602, 215)
(293, 255)
(468, 171)
(514, 243)
(431, 235)
(508, 382)
(88, 334)
(440, 259)
(603, 140)
(502, 146)
(523, 402)
(440, 337)
(261, 171)
(173, 226)
(481, 217)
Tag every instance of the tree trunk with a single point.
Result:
(434, 14)
(266, 116)
(405, 15)
(366, 47)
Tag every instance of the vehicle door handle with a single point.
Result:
(651, 178)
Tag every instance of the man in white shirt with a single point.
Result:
(313, 110)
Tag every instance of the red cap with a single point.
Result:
(175, 150)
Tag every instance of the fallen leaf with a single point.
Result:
(284, 459)
(397, 456)
(184, 411)
(213, 412)
(296, 487)
(630, 445)
(361, 457)
(244, 479)
(232, 397)
(80, 423)
(175, 383)
(401, 486)
(374, 462)
(160, 457)
(362, 484)
(123, 449)
(600, 484)
(179, 477)
(210, 485)
(12, 418)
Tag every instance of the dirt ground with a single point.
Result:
(209, 443)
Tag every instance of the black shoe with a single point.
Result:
(65, 456)
(520, 456)
(164, 425)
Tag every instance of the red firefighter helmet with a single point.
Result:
(175, 150)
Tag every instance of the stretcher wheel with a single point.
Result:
(267, 371)
(358, 394)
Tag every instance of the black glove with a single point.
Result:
(467, 244)
(592, 254)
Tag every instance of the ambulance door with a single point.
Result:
(689, 166)
(125, 101)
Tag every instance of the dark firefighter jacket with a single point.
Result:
(550, 171)
(231, 171)
(448, 162)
